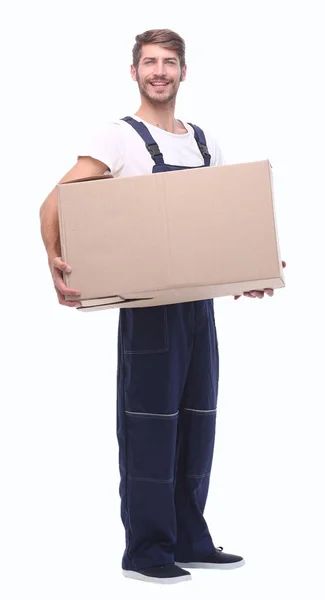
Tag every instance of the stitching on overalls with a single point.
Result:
(199, 476)
(153, 415)
(195, 410)
(150, 480)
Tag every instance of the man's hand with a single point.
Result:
(58, 267)
(259, 293)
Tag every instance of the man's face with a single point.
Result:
(158, 74)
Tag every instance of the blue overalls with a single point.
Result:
(167, 388)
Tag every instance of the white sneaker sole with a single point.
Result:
(199, 565)
(166, 580)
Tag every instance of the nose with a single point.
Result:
(160, 69)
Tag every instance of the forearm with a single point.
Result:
(50, 225)
(85, 167)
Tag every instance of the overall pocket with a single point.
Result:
(145, 330)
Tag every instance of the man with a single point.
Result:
(167, 355)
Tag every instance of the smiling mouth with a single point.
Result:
(159, 84)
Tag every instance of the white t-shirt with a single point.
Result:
(123, 150)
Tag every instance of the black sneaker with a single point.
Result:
(216, 560)
(159, 574)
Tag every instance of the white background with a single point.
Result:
(255, 78)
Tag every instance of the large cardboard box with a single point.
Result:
(170, 237)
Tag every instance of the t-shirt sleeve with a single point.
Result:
(105, 144)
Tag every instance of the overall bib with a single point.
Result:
(167, 388)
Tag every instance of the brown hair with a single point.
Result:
(163, 37)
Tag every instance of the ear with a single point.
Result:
(184, 72)
(133, 73)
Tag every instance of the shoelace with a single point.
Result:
(220, 548)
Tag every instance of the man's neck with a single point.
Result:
(163, 117)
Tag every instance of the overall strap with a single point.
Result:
(201, 142)
(150, 143)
